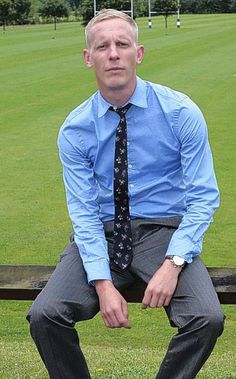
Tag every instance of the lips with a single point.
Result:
(115, 69)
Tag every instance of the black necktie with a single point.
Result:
(122, 227)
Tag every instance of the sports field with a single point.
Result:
(42, 78)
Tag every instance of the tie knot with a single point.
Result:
(121, 111)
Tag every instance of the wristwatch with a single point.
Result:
(177, 262)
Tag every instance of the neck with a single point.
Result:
(118, 96)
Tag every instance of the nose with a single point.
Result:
(114, 55)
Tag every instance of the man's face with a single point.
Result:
(113, 54)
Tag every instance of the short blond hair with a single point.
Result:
(107, 14)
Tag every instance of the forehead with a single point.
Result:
(115, 26)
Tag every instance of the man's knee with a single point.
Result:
(208, 324)
(42, 314)
(215, 323)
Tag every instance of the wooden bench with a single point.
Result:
(25, 283)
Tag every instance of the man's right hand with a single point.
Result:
(113, 306)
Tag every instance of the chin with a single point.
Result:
(116, 83)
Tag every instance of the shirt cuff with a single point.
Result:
(181, 250)
(98, 270)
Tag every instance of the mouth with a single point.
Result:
(114, 69)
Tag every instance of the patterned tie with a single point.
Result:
(122, 227)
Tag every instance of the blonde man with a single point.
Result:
(169, 203)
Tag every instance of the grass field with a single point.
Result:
(42, 77)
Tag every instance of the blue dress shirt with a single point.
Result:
(170, 170)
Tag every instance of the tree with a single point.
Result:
(87, 7)
(233, 6)
(14, 11)
(86, 11)
(74, 4)
(225, 6)
(54, 9)
(6, 12)
(141, 7)
(166, 8)
(21, 10)
(206, 6)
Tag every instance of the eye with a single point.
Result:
(102, 46)
(122, 44)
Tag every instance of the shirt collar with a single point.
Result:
(138, 98)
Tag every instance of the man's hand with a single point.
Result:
(161, 287)
(114, 308)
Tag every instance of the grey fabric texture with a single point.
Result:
(67, 298)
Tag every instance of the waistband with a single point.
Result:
(137, 222)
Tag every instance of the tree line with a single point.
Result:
(34, 11)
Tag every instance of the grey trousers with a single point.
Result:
(67, 298)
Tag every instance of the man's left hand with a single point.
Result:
(161, 287)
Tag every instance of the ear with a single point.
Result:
(87, 58)
(140, 54)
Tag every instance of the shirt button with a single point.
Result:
(127, 143)
(130, 165)
(131, 185)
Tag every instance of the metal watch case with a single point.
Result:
(177, 261)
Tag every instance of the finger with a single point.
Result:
(143, 306)
(161, 301)
(124, 307)
(154, 298)
(116, 319)
(106, 322)
(167, 301)
(122, 320)
(110, 320)
(154, 302)
(146, 299)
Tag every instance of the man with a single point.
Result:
(140, 197)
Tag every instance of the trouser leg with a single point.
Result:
(194, 308)
(66, 299)
(196, 311)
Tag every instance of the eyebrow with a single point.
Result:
(107, 40)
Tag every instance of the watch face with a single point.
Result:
(179, 261)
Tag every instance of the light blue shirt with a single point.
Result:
(170, 170)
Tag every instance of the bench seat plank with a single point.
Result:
(25, 283)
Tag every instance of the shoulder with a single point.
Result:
(173, 103)
(167, 95)
(82, 112)
(78, 118)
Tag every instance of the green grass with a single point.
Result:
(42, 77)
(142, 347)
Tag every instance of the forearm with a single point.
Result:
(187, 240)
(89, 237)
(81, 194)
(202, 194)
(93, 250)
